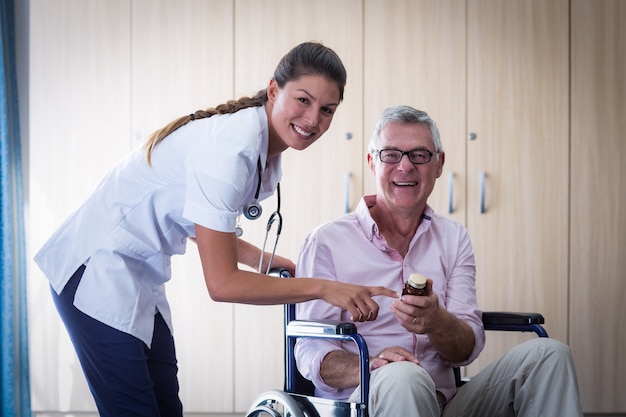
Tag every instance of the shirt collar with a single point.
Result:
(369, 226)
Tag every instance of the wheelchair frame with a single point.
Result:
(296, 399)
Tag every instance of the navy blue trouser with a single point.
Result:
(126, 378)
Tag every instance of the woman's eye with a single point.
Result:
(303, 100)
(327, 110)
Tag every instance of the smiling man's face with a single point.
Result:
(405, 186)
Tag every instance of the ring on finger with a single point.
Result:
(414, 320)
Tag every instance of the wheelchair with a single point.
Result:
(297, 399)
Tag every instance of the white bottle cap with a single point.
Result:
(417, 280)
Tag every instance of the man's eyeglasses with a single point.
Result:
(394, 156)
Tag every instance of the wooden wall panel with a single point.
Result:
(597, 200)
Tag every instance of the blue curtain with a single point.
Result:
(14, 375)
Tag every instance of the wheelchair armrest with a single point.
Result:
(315, 328)
(326, 329)
(505, 317)
(514, 322)
(508, 322)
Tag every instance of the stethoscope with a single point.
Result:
(253, 210)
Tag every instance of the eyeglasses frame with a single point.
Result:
(408, 155)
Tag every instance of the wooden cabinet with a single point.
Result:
(497, 74)
(416, 55)
(549, 148)
(517, 169)
(182, 61)
(104, 75)
(597, 199)
(314, 181)
(169, 58)
(78, 128)
(538, 86)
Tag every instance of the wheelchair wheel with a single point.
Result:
(275, 403)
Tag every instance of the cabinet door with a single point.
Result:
(598, 198)
(498, 71)
(517, 211)
(415, 55)
(181, 62)
(314, 181)
(79, 111)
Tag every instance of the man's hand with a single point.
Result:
(453, 338)
(392, 354)
(419, 314)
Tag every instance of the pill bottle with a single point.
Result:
(416, 285)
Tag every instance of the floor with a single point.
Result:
(55, 414)
(46, 414)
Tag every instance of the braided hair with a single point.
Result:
(308, 58)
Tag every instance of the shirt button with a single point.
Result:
(384, 248)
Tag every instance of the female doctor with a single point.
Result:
(108, 263)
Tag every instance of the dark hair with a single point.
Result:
(308, 58)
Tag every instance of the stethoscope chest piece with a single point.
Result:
(252, 210)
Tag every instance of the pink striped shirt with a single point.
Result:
(352, 250)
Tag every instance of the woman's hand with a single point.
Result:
(221, 252)
(356, 299)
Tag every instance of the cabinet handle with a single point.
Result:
(450, 192)
(482, 192)
(347, 192)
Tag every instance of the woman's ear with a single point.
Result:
(272, 91)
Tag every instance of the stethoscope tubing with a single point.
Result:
(274, 217)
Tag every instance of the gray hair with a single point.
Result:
(404, 114)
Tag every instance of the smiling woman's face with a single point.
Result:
(301, 111)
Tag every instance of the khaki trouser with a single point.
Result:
(535, 378)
